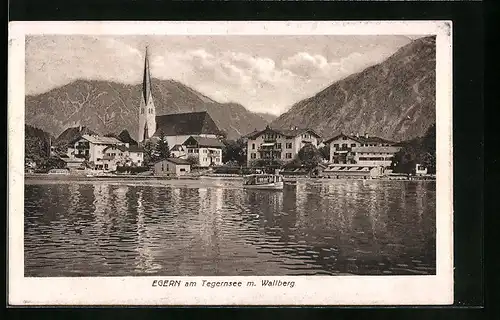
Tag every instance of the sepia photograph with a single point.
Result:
(199, 156)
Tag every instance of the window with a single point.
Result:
(353, 145)
(253, 146)
(105, 166)
(288, 156)
(182, 170)
(142, 110)
(252, 155)
(278, 146)
(344, 145)
(336, 145)
(162, 167)
(344, 138)
(289, 145)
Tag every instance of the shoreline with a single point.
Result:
(70, 177)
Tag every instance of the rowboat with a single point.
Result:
(263, 181)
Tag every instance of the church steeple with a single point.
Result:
(146, 80)
(147, 112)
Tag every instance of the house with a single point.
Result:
(72, 134)
(136, 155)
(178, 151)
(122, 155)
(362, 150)
(352, 171)
(420, 170)
(92, 148)
(207, 151)
(175, 128)
(172, 166)
(278, 143)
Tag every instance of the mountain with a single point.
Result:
(394, 99)
(267, 116)
(110, 107)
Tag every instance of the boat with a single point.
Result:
(263, 181)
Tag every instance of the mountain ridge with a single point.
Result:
(110, 107)
(394, 99)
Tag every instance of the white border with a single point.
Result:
(310, 290)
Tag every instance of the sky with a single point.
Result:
(263, 73)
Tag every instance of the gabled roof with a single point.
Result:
(192, 123)
(290, 133)
(376, 149)
(124, 136)
(119, 147)
(101, 140)
(363, 139)
(204, 142)
(177, 161)
(71, 134)
(176, 147)
(135, 148)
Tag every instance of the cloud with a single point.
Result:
(264, 77)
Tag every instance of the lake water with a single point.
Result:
(214, 227)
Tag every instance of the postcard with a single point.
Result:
(230, 163)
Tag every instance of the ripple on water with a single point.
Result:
(216, 228)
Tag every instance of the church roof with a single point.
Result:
(146, 81)
(192, 123)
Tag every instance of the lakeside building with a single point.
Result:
(172, 166)
(207, 151)
(178, 128)
(278, 143)
(106, 153)
(353, 171)
(122, 155)
(71, 134)
(420, 170)
(363, 150)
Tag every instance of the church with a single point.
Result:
(178, 129)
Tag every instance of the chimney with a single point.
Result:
(80, 128)
(357, 135)
(366, 135)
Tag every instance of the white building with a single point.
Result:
(207, 151)
(92, 148)
(106, 153)
(278, 143)
(363, 150)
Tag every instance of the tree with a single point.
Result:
(325, 152)
(162, 150)
(419, 150)
(309, 155)
(53, 163)
(149, 153)
(193, 160)
(234, 151)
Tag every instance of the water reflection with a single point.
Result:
(217, 228)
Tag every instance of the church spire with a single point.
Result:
(146, 81)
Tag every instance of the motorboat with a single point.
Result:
(263, 181)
